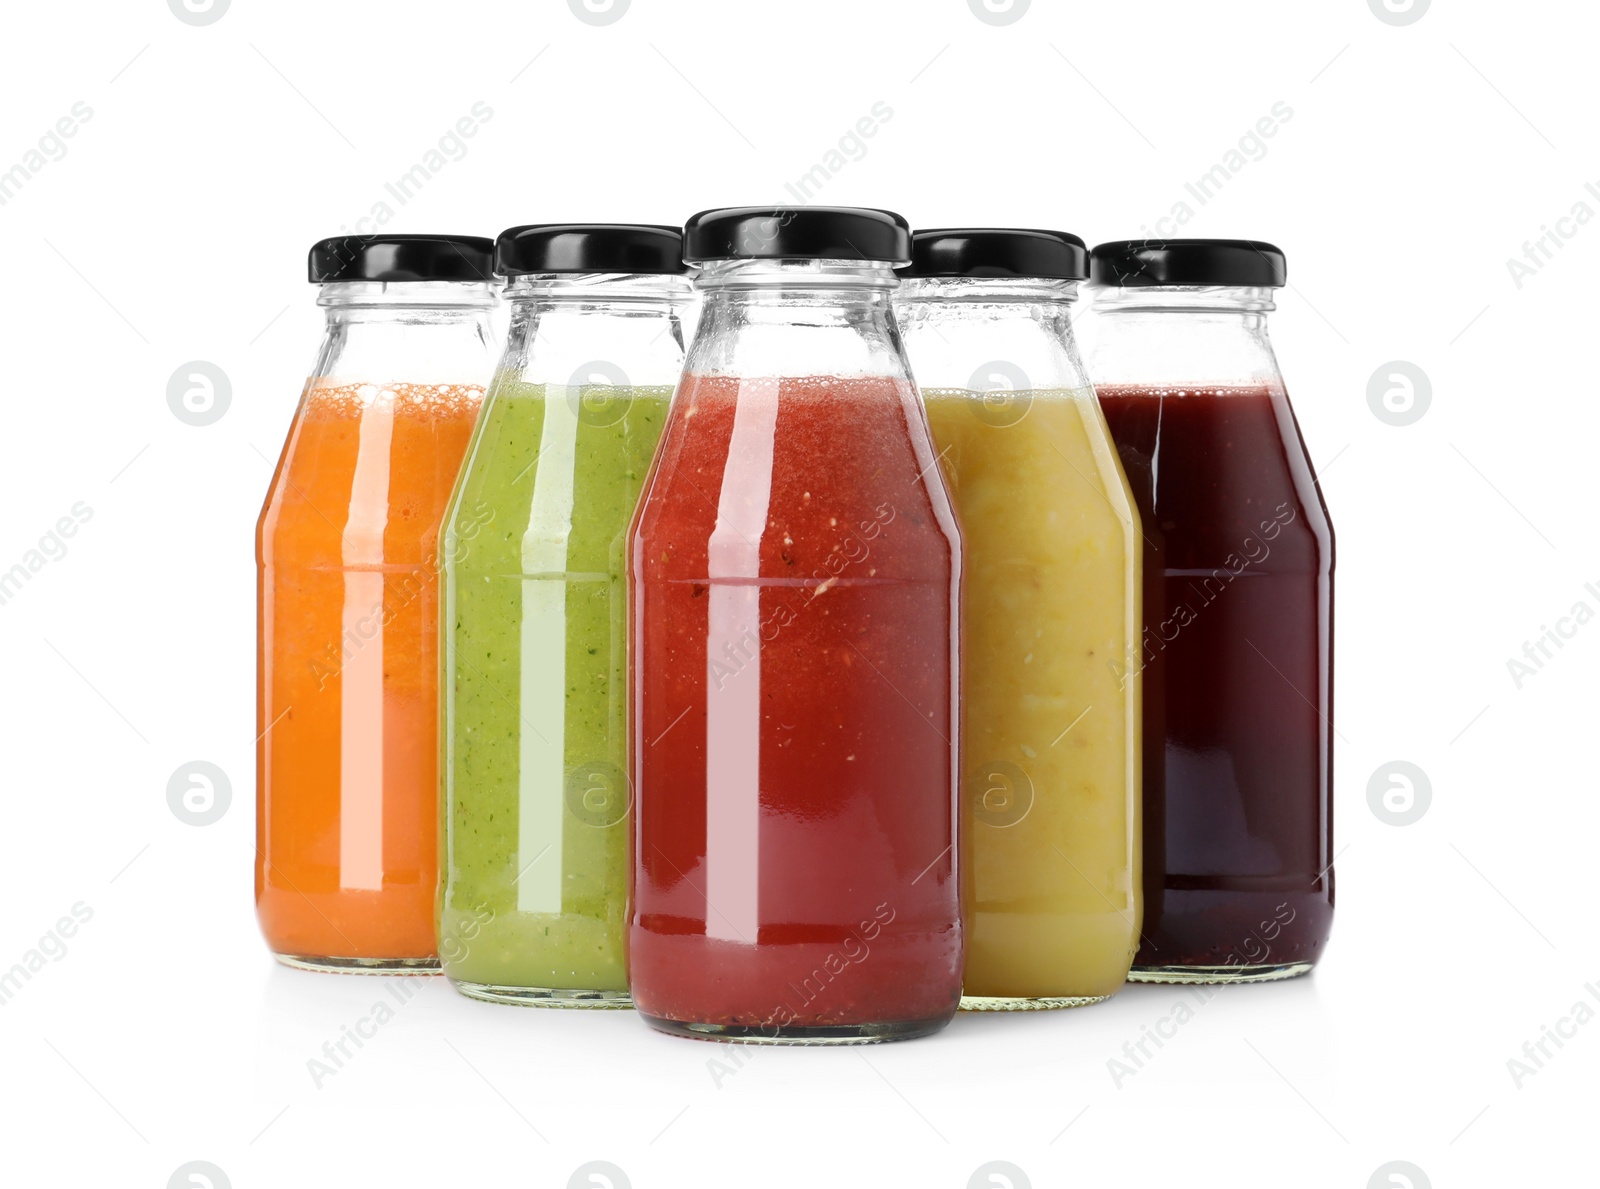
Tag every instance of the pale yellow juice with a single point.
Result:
(1051, 717)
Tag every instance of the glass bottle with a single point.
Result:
(346, 786)
(1238, 797)
(534, 815)
(795, 670)
(1051, 715)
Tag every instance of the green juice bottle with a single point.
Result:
(534, 653)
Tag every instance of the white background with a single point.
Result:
(1417, 160)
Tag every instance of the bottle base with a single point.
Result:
(833, 1034)
(323, 965)
(542, 996)
(1275, 972)
(1027, 1003)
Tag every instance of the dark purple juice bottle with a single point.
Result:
(1238, 642)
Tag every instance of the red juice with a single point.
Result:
(1239, 642)
(795, 581)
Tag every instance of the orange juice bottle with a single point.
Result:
(346, 754)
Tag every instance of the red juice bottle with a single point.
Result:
(796, 583)
(1237, 653)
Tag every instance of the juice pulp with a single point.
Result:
(1239, 845)
(346, 777)
(535, 792)
(1050, 731)
(796, 570)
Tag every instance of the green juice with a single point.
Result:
(534, 832)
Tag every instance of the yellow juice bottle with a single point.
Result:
(1050, 738)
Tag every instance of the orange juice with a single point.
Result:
(346, 762)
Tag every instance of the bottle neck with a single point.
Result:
(412, 332)
(1184, 299)
(1182, 335)
(605, 289)
(987, 291)
(827, 280)
(980, 334)
(398, 297)
(622, 330)
(797, 318)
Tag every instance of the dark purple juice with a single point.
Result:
(1238, 660)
